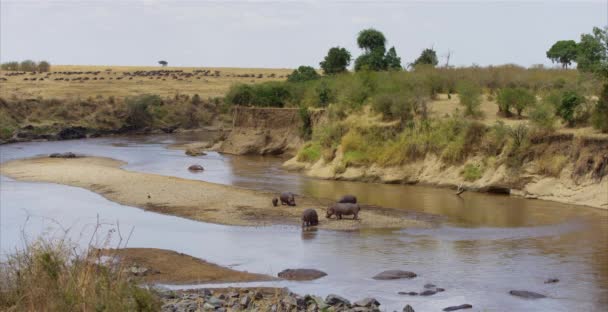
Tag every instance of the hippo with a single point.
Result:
(348, 199)
(275, 201)
(340, 209)
(287, 199)
(309, 218)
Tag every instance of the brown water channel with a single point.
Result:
(485, 245)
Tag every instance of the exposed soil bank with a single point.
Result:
(266, 131)
(568, 187)
(191, 199)
(153, 265)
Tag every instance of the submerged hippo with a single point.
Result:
(340, 209)
(287, 198)
(348, 199)
(309, 218)
(275, 201)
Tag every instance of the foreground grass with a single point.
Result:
(51, 275)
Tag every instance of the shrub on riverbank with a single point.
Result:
(51, 275)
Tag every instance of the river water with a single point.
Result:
(485, 245)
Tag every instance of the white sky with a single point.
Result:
(285, 34)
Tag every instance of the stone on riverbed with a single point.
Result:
(408, 308)
(526, 294)
(367, 302)
(301, 274)
(196, 168)
(63, 155)
(552, 281)
(195, 152)
(394, 274)
(460, 307)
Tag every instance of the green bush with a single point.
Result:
(472, 172)
(570, 101)
(470, 97)
(516, 98)
(336, 61)
(306, 128)
(10, 66)
(267, 94)
(139, 110)
(28, 65)
(311, 152)
(303, 73)
(599, 117)
(542, 115)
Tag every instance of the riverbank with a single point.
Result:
(564, 188)
(152, 265)
(197, 200)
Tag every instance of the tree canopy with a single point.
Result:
(427, 57)
(592, 52)
(336, 61)
(163, 63)
(563, 52)
(370, 40)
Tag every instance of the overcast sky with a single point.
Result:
(285, 34)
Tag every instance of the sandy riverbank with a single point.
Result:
(191, 199)
(170, 267)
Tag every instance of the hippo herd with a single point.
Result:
(345, 206)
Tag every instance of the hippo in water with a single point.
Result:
(275, 201)
(309, 218)
(348, 199)
(340, 209)
(287, 198)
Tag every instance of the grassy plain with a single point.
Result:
(206, 86)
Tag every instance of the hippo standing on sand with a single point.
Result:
(340, 209)
(348, 199)
(287, 198)
(275, 201)
(309, 218)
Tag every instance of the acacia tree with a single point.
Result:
(563, 52)
(336, 61)
(163, 63)
(427, 57)
(373, 44)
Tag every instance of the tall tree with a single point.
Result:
(393, 61)
(163, 63)
(336, 61)
(563, 52)
(592, 51)
(427, 57)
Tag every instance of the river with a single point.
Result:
(484, 246)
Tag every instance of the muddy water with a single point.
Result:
(486, 245)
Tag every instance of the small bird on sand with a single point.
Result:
(149, 196)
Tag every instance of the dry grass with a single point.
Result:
(206, 86)
(52, 275)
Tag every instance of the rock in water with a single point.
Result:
(526, 294)
(333, 300)
(196, 168)
(408, 308)
(367, 302)
(394, 274)
(63, 155)
(460, 307)
(551, 281)
(301, 274)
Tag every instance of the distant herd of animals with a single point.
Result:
(345, 206)
(81, 76)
